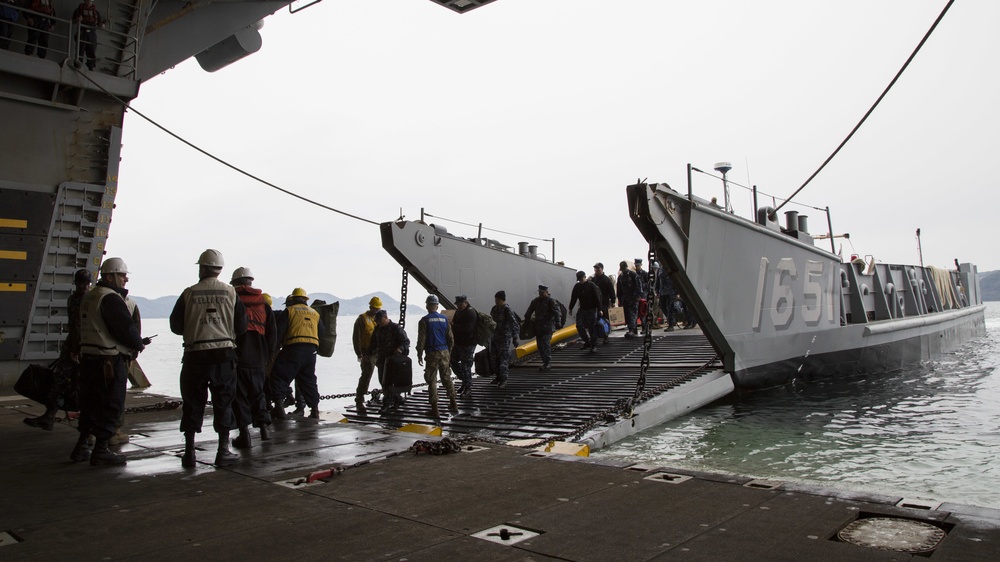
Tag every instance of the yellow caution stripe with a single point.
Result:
(556, 447)
(13, 223)
(13, 287)
(13, 255)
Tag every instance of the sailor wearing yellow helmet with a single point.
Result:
(363, 328)
(298, 334)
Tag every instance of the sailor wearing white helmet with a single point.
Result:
(109, 341)
(210, 317)
(253, 349)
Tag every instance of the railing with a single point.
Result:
(64, 40)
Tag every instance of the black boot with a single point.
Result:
(265, 435)
(278, 411)
(81, 452)
(225, 457)
(359, 405)
(102, 456)
(188, 460)
(243, 441)
(44, 421)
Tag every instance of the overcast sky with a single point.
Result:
(531, 116)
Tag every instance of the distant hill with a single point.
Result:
(161, 307)
(989, 282)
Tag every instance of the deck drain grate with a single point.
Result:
(506, 534)
(889, 533)
(763, 484)
(668, 478)
(919, 503)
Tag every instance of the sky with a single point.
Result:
(532, 116)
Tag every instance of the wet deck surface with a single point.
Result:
(414, 507)
(579, 386)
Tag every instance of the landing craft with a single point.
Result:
(447, 266)
(778, 308)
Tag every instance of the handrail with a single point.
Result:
(64, 40)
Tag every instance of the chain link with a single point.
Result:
(402, 298)
(158, 407)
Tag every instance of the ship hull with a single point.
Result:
(779, 309)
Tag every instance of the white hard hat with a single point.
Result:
(242, 272)
(432, 299)
(211, 258)
(113, 265)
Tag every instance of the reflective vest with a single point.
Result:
(209, 308)
(367, 328)
(303, 325)
(436, 332)
(95, 339)
(255, 304)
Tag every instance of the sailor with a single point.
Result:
(254, 349)
(506, 333)
(547, 317)
(298, 331)
(590, 301)
(667, 293)
(388, 339)
(67, 367)
(434, 336)
(643, 276)
(363, 328)
(210, 317)
(89, 19)
(8, 18)
(464, 326)
(607, 288)
(41, 21)
(109, 341)
(629, 291)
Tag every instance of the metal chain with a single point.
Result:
(647, 327)
(158, 407)
(402, 298)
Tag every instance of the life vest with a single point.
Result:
(367, 328)
(436, 332)
(255, 305)
(303, 325)
(95, 339)
(209, 309)
(88, 14)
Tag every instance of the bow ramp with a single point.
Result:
(590, 398)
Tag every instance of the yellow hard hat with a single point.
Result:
(299, 292)
(375, 302)
(267, 299)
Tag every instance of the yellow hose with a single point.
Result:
(557, 336)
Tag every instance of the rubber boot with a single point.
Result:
(44, 421)
(102, 456)
(243, 441)
(265, 434)
(225, 457)
(433, 412)
(188, 460)
(81, 452)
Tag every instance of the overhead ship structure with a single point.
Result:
(778, 308)
(60, 143)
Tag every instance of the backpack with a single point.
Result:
(485, 326)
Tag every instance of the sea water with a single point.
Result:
(930, 431)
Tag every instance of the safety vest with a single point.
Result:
(209, 309)
(303, 325)
(95, 339)
(367, 328)
(437, 331)
(255, 304)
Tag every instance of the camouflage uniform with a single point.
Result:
(629, 290)
(431, 335)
